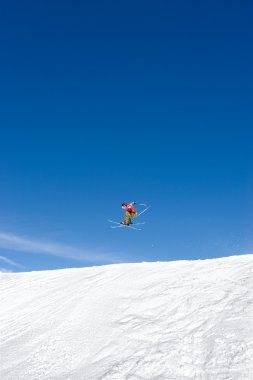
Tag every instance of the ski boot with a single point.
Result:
(126, 223)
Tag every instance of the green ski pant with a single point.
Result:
(129, 216)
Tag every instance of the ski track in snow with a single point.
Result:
(148, 321)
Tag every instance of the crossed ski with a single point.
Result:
(119, 225)
(132, 226)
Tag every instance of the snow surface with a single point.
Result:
(152, 321)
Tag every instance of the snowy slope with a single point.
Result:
(153, 321)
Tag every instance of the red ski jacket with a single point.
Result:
(130, 208)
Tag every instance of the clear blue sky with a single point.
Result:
(104, 102)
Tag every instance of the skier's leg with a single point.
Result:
(134, 215)
(127, 220)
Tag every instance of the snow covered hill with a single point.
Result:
(151, 321)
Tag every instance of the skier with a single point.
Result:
(130, 213)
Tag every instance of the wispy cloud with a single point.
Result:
(23, 244)
(11, 262)
(4, 270)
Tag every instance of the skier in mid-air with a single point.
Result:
(131, 213)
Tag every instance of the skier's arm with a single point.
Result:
(133, 203)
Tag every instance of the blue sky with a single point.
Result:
(110, 102)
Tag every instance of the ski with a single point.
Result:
(119, 225)
(142, 211)
(130, 226)
(112, 221)
(134, 224)
(133, 228)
